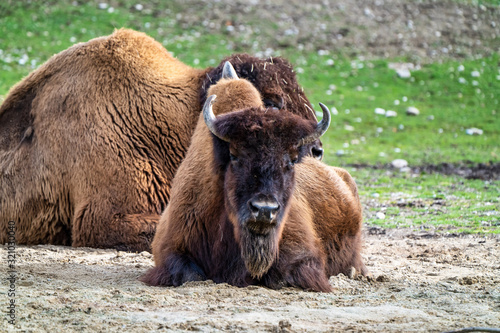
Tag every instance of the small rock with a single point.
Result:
(146, 254)
(349, 128)
(431, 117)
(352, 273)
(412, 111)
(284, 324)
(399, 163)
(379, 111)
(380, 215)
(405, 169)
(382, 278)
(403, 73)
(474, 131)
(391, 114)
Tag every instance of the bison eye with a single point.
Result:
(317, 153)
(233, 158)
(291, 162)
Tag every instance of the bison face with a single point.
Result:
(255, 153)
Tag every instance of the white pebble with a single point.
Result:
(380, 215)
(399, 163)
(474, 131)
(391, 114)
(461, 68)
(412, 111)
(349, 128)
(475, 74)
(403, 73)
(103, 5)
(379, 111)
(396, 102)
(139, 7)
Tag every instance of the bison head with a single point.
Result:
(255, 153)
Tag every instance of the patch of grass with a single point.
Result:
(451, 97)
(429, 202)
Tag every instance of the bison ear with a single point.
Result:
(228, 72)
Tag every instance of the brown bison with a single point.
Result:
(248, 209)
(90, 141)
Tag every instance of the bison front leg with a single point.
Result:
(175, 271)
(304, 271)
(96, 227)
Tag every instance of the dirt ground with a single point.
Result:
(419, 283)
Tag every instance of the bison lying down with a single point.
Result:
(247, 209)
(90, 141)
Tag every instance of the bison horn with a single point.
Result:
(228, 72)
(320, 128)
(209, 117)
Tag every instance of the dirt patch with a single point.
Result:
(418, 283)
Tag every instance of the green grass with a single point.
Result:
(433, 202)
(31, 32)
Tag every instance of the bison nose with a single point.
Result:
(264, 209)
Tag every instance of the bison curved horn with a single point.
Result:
(228, 72)
(209, 117)
(320, 128)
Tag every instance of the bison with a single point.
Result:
(90, 141)
(248, 209)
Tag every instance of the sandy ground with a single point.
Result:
(418, 284)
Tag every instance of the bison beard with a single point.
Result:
(258, 251)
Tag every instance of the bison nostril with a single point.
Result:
(264, 209)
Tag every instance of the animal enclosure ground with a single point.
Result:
(418, 284)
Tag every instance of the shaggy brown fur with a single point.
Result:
(90, 141)
(200, 236)
(277, 83)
